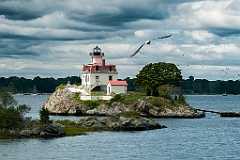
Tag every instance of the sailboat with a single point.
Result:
(225, 94)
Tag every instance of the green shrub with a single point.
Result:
(117, 98)
(182, 99)
(90, 103)
(156, 102)
(44, 115)
(61, 86)
(76, 97)
(11, 116)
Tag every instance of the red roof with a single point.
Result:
(118, 83)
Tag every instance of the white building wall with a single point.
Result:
(89, 79)
(116, 89)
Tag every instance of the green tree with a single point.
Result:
(6, 100)
(44, 115)
(11, 115)
(168, 90)
(154, 75)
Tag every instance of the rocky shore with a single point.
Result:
(62, 102)
(89, 124)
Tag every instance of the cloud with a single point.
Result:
(54, 38)
(218, 17)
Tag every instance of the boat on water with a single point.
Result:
(225, 94)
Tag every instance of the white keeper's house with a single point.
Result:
(99, 73)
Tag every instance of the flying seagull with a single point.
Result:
(149, 42)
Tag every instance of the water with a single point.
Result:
(212, 137)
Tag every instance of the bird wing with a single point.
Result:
(137, 50)
(164, 37)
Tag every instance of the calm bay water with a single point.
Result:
(212, 137)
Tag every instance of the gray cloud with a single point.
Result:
(55, 37)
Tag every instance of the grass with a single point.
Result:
(130, 114)
(6, 134)
(89, 103)
(74, 130)
(61, 86)
(98, 93)
(132, 97)
(65, 122)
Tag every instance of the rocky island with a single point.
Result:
(65, 102)
(126, 112)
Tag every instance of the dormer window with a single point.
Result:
(97, 68)
(110, 68)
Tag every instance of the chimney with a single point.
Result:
(103, 64)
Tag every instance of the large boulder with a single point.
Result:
(146, 109)
(131, 123)
(86, 122)
(47, 131)
(52, 131)
(61, 102)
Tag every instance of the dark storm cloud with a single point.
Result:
(15, 14)
(19, 47)
(21, 10)
(224, 32)
(15, 53)
(125, 15)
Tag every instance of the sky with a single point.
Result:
(53, 38)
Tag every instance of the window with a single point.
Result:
(97, 78)
(110, 68)
(110, 78)
(97, 68)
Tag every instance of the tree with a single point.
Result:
(168, 90)
(154, 75)
(6, 100)
(11, 116)
(44, 115)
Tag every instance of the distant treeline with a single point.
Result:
(203, 86)
(16, 84)
(37, 85)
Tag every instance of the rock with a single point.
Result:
(119, 123)
(47, 131)
(90, 122)
(179, 111)
(61, 102)
(35, 131)
(131, 124)
(112, 122)
(146, 109)
(25, 133)
(108, 110)
(52, 131)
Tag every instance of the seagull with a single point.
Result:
(149, 42)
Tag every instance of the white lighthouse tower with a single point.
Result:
(98, 73)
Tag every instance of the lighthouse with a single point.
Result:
(98, 73)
